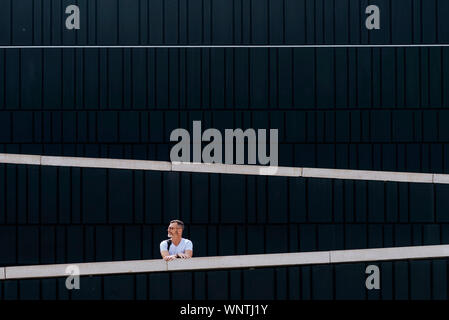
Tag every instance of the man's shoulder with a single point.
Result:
(187, 240)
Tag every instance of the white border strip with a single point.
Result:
(127, 164)
(10, 158)
(105, 163)
(369, 175)
(382, 254)
(250, 261)
(441, 178)
(94, 268)
(229, 262)
(247, 46)
(236, 169)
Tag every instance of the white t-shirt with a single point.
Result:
(182, 246)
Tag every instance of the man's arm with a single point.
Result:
(188, 254)
(166, 256)
(164, 252)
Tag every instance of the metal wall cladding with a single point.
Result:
(401, 280)
(366, 108)
(358, 108)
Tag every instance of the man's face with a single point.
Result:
(173, 230)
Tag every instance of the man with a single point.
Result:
(176, 246)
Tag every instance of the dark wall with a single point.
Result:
(129, 22)
(366, 108)
(403, 280)
(57, 215)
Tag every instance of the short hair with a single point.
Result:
(179, 222)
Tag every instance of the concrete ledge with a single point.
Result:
(382, 254)
(93, 268)
(20, 158)
(128, 164)
(441, 178)
(35, 271)
(224, 46)
(106, 163)
(229, 262)
(236, 169)
(250, 261)
(368, 175)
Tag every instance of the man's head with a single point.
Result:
(175, 229)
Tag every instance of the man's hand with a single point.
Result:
(183, 256)
(169, 258)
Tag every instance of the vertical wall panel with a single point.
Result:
(217, 285)
(320, 210)
(120, 196)
(94, 195)
(379, 109)
(254, 289)
(233, 198)
(350, 282)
